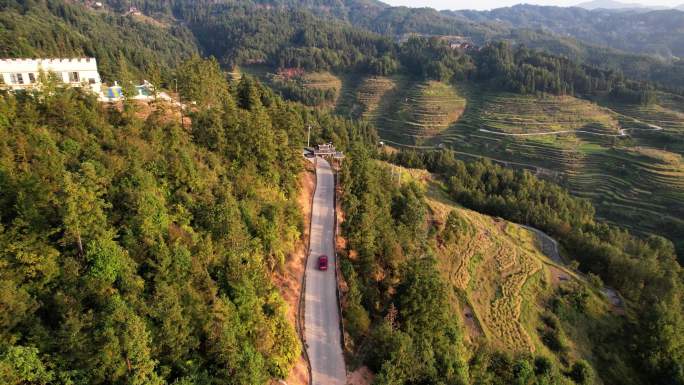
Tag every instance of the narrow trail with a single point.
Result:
(621, 132)
(501, 161)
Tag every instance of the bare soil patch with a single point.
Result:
(289, 280)
(473, 329)
(361, 376)
(558, 275)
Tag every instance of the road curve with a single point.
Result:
(549, 247)
(321, 317)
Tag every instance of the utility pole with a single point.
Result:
(180, 105)
(308, 137)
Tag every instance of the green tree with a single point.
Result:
(202, 81)
(582, 373)
(21, 365)
(83, 207)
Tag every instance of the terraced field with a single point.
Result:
(323, 81)
(670, 101)
(669, 116)
(295, 77)
(515, 114)
(362, 97)
(629, 165)
(499, 274)
(417, 111)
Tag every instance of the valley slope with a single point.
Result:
(626, 158)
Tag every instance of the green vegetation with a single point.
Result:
(138, 251)
(365, 99)
(413, 337)
(485, 259)
(644, 271)
(614, 153)
(312, 89)
(523, 114)
(465, 260)
(419, 111)
(54, 28)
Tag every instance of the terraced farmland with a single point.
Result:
(670, 101)
(417, 111)
(669, 116)
(629, 165)
(362, 97)
(322, 81)
(500, 276)
(516, 114)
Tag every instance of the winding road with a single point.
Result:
(321, 311)
(621, 131)
(549, 246)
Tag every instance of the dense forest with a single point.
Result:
(654, 32)
(138, 251)
(285, 38)
(574, 33)
(56, 28)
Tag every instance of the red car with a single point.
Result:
(323, 262)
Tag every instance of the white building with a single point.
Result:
(24, 73)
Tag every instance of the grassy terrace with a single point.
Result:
(420, 111)
(403, 109)
(636, 180)
(608, 152)
(323, 81)
(669, 115)
(363, 97)
(502, 281)
(515, 114)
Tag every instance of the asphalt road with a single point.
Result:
(322, 332)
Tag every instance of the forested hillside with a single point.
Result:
(286, 34)
(139, 251)
(282, 38)
(54, 28)
(395, 242)
(140, 243)
(655, 32)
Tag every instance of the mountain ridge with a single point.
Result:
(616, 5)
